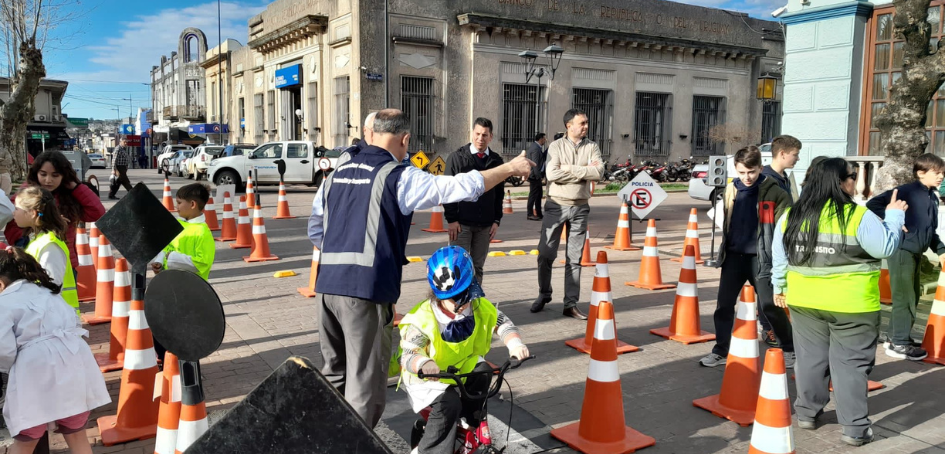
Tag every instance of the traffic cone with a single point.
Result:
(600, 291)
(309, 291)
(436, 220)
(739, 395)
(85, 272)
(692, 237)
(210, 213)
(169, 414)
(564, 233)
(586, 255)
(114, 359)
(228, 231)
(137, 410)
(885, 292)
(651, 277)
(250, 187)
(684, 324)
(934, 340)
(282, 207)
(105, 284)
(168, 199)
(94, 234)
(507, 204)
(244, 230)
(772, 431)
(260, 251)
(602, 427)
(193, 411)
(622, 239)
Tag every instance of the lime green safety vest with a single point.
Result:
(461, 355)
(68, 292)
(196, 241)
(841, 276)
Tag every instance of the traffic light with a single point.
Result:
(718, 171)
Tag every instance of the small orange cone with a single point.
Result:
(193, 411)
(885, 292)
(260, 251)
(651, 277)
(250, 187)
(684, 324)
(507, 204)
(244, 230)
(622, 239)
(600, 291)
(210, 213)
(564, 233)
(436, 220)
(168, 199)
(169, 414)
(85, 272)
(114, 359)
(137, 410)
(309, 291)
(94, 235)
(586, 255)
(934, 340)
(105, 284)
(282, 207)
(772, 432)
(228, 232)
(692, 237)
(739, 395)
(602, 428)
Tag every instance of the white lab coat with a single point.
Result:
(53, 374)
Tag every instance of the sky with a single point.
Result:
(106, 49)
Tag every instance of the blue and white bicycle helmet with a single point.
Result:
(450, 273)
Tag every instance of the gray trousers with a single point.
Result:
(556, 216)
(475, 240)
(839, 347)
(904, 285)
(355, 340)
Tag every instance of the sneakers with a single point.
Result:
(770, 338)
(910, 352)
(888, 343)
(789, 359)
(858, 441)
(807, 425)
(712, 360)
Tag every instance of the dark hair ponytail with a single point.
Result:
(16, 264)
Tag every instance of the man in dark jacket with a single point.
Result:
(536, 153)
(785, 152)
(472, 225)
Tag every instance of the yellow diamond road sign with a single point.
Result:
(420, 160)
(438, 166)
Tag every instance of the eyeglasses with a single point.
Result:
(852, 175)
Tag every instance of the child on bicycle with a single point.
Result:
(453, 328)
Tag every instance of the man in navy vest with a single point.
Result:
(360, 221)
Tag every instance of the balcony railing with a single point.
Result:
(866, 167)
(192, 113)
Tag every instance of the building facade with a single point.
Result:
(47, 130)
(178, 90)
(217, 68)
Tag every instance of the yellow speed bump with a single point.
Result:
(516, 252)
(497, 254)
(534, 252)
(414, 259)
(288, 273)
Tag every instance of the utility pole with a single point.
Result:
(220, 69)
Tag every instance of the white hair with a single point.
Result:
(369, 121)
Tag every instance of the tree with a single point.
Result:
(902, 122)
(734, 134)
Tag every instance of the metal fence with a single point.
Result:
(521, 116)
(598, 105)
(417, 101)
(651, 125)
(342, 110)
(707, 112)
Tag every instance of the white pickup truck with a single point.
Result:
(305, 163)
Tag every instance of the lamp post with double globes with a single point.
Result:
(553, 54)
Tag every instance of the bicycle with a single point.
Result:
(470, 440)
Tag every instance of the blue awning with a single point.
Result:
(207, 128)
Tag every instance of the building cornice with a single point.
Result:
(290, 33)
(854, 8)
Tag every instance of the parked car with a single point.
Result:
(235, 149)
(175, 163)
(306, 163)
(700, 191)
(169, 152)
(98, 161)
(197, 165)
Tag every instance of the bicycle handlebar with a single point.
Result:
(511, 363)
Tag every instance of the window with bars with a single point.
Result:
(651, 124)
(311, 110)
(417, 102)
(707, 112)
(342, 110)
(598, 105)
(521, 116)
(770, 121)
(241, 111)
(259, 117)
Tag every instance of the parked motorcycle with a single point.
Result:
(680, 171)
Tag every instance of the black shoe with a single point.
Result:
(910, 352)
(770, 338)
(111, 197)
(858, 441)
(540, 303)
(574, 313)
(534, 218)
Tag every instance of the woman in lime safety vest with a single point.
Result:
(37, 213)
(827, 253)
(453, 328)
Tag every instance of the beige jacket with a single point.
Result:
(570, 187)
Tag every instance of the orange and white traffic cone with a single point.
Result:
(210, 213)
(115, 358)
(260, 251)
(885, 291)
(165, 441)
(250, 187)
(309, 291)
(684, 324)
(85, 272)
(436, 220)
(772, 432)
(244, 229)
(586, 255)
(507, 203)
(228, 231)
(282, 207)
(692, 237)
(651, 277)
(94, 234)
(602, 427)
(168, 199)
(622, 239)
(137, 409)
(104, 288)
(564, 233)
(739, 395)
(934, 340)
(193, 411)
(600, 291)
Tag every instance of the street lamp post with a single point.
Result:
(553, 53)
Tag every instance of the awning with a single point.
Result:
(207, 128)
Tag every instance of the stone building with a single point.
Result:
(178, 90)
(654, 76)
(47, 130)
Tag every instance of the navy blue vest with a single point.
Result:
(363, 249)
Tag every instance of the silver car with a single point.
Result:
(175, 163)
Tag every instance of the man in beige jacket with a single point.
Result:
(573, 161)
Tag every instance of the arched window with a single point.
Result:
(191, 49)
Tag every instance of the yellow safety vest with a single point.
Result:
(68, 292)
(196, 241)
